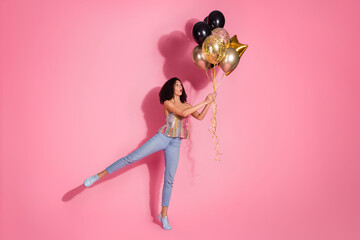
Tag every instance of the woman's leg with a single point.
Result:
(164, 211)
(103, 173)
(171, 162)
(156, 143)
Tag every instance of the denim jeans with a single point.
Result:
(159, 141)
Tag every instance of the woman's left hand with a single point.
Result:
(212, 96)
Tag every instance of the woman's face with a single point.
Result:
(178, 89)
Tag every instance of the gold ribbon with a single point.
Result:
(213, 123)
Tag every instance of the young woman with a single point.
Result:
(168, 138)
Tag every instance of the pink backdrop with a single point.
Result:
(79, 89)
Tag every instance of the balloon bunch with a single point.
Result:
(215, 45)
(216, 48)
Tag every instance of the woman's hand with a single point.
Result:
(210, 97)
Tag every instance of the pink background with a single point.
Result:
(79, 89)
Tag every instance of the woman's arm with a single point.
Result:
(200, 116)
(170, 106)
(183, 112)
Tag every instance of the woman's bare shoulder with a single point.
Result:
(187, 104)
(167, 102)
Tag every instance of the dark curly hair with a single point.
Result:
(167, 91)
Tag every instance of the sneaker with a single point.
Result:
(90, 180)
(165, 222)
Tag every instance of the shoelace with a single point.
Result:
(165, 221)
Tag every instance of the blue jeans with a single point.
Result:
(159, 141)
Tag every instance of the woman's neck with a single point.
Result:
(176, 98)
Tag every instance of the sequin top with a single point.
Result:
(175, 126)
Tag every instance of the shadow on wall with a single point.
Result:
(154, 117)
(177, 48)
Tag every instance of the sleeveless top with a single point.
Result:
(175, 126)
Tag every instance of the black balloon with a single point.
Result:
(216, 19)
(206, 20)
(200, 31)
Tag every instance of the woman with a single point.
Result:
(168, 138)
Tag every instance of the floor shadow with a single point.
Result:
(72, 193)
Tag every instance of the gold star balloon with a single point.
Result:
(239, 47)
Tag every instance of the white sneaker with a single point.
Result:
(90, 180)
(165, 222)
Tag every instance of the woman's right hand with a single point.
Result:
(210, 97)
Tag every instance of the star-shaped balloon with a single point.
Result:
(239, 47)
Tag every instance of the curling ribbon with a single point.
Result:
(213, 123)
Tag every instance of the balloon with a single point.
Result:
(213, 49)
(240, 48)
(200, 31)
(206, 20)
(199, 59)
(216, 19)
(230, 61)
(223, 34)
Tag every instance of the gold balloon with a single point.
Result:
(239, 47)
(230, 61)
(223, 34)
(199, 59)
(213, 49)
